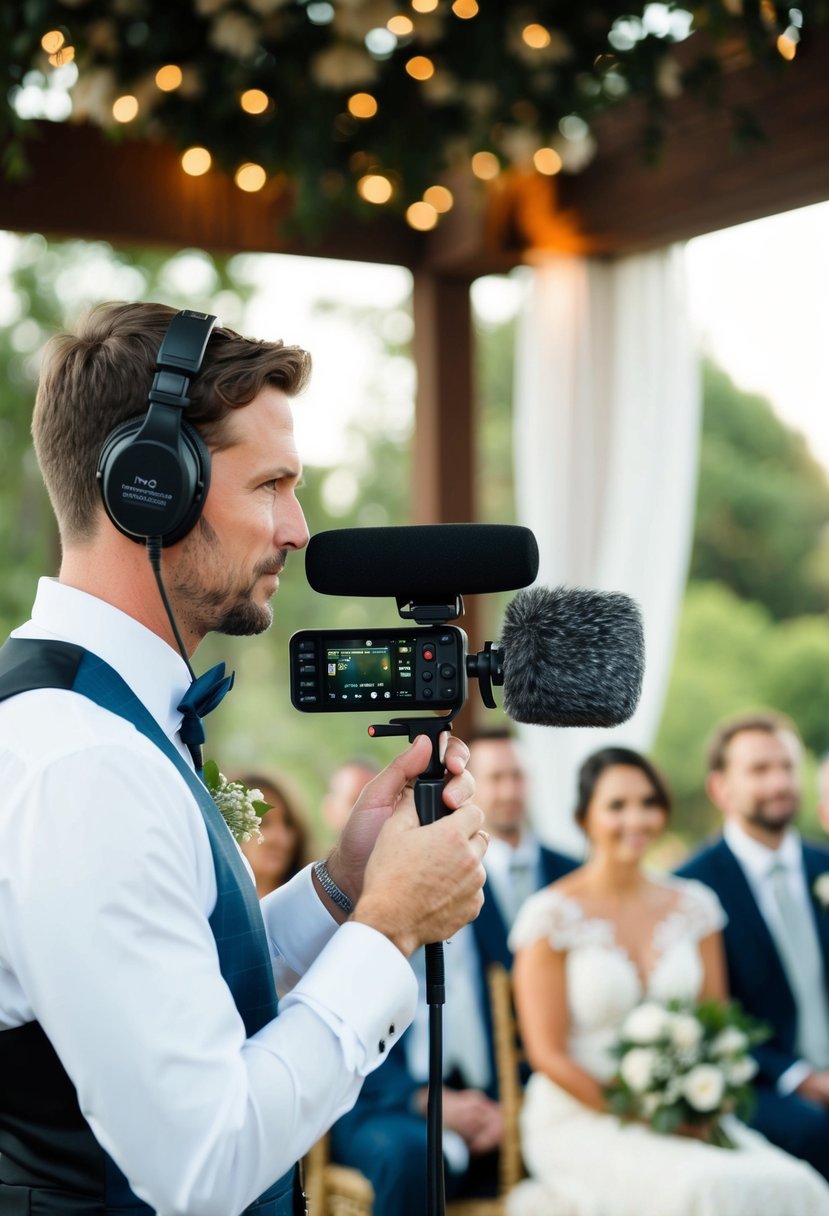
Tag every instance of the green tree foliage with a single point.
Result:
(763, 504)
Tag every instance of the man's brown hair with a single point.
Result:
(764, 720)
(99, 377)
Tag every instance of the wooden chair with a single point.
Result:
(507, 1063)
(335, 1190)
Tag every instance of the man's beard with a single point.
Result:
(775, 824)
(223, 608)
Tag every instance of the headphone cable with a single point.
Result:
(154, 554)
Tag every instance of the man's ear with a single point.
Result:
(715, 788)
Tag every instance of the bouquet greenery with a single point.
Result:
(684, 1067)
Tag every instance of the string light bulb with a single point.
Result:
(536, 36)
(169, 77)
(424, 6)
(52, 41)
(465, 9)
(401, 26)
(440, 198)
(421, 216)
(374, 188)
(250, 177)
(125, 108)
(254, 101)
(486, 166)
(362, 105)
(196, 161)
(547, 161)
(420, 67)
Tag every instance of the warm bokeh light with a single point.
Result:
(400, 26)
(424, 6)
(465, 9)
(421, 216)
(786, 46)
(362, 105)
(52, 42)
(196, 161)
(374, 188)
(485, 165)
(439, 197)
(250, 177)
(65, 55)
(254, 101)
(420, 67)
(536, 36)
(124, 109)
(547, 160)
(169, 77)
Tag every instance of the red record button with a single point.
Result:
(428, 654)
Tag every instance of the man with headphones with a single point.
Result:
(143, 1065)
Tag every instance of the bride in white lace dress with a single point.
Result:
(590, 948)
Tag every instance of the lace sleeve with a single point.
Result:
(549, 915)
(703, 911)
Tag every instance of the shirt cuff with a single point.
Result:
(299, 927)
(794, 1075)
(364, 989)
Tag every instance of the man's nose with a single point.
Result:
(292, 532)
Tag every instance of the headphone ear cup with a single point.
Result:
(195, 462)
(150, 487)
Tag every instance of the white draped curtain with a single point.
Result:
(607, 404)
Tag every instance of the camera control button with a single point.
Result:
(427, 676)
(307, 699)
(428, 653)
(448, 692)
(308, 669)
(306, 645)
(447, 671)
(445, 639)
(427, 694)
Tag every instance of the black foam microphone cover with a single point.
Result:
(422, 561)
(572, 657)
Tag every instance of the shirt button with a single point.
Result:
(391, 1028)
(381, 1046)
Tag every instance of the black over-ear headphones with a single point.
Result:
(154, 472)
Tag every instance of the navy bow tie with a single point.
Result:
(203, 695)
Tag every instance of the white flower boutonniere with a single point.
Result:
(820, 890)
(241, 808)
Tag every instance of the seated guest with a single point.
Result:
(286, 846)
(773, 888)
(384, 1136)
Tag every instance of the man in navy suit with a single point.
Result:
(773, 888)
(384, 1135)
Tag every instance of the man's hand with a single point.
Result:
(815, 1087)
(390, 789)
(475, 1117)
(415, 884)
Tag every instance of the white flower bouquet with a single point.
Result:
(683, 1067)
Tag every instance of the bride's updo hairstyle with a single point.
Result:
(614, 757)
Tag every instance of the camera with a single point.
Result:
(410, 668)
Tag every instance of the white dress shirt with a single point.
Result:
(757, 861)
(106, 886)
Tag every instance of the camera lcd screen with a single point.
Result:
(358, 670)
